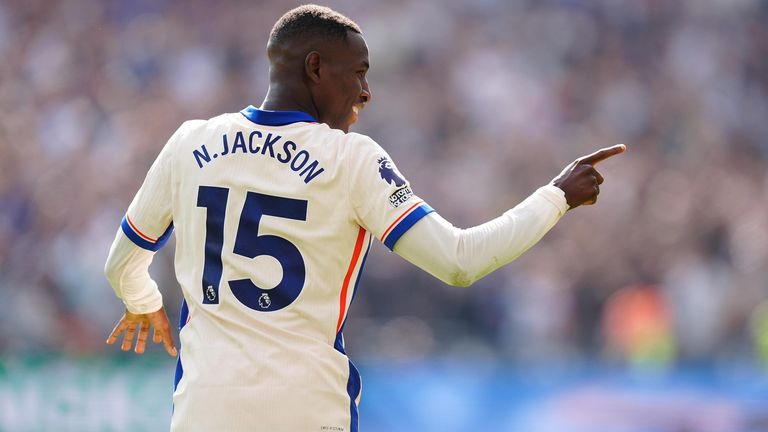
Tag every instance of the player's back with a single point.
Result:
(268, 256)
(274, 216)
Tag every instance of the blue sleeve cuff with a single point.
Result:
(142, 240)
(406, 224)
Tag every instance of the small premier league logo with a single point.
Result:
(210, 293)
(264, 301)
(388, 173)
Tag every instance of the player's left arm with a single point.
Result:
(460, 257)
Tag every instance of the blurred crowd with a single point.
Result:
(479, 103)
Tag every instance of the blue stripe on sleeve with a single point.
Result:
(141, 242)
(163, 239)
(406, 224)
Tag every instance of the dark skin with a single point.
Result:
(324, 78)
(327, 79)
(580, 180)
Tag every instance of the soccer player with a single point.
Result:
(274, 210)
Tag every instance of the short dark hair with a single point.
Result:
(311, 21)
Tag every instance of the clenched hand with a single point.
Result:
(580, 180)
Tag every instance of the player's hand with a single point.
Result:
(580, 180)
(131, 322)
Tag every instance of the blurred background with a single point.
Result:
(646, 312)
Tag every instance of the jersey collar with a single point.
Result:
(275, 118)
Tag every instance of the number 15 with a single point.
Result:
(250, 244)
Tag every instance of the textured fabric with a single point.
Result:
(462, 256)
(272, 224)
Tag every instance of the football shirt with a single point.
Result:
(274, 215)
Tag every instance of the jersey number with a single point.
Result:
(250, 244)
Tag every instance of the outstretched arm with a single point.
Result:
(462, 256)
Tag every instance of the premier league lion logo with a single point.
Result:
(265, 301)
(388, 173)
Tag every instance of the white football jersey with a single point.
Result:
(274, 215)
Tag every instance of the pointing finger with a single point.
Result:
(602, 154)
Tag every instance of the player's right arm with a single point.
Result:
(145, 228)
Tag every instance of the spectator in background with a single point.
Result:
(638, 328)
(88, 88)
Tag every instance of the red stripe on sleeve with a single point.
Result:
(136, 230)
(383, 236)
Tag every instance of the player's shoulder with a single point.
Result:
(197, 127)
(340, 136)
(190, 126)
(347, 145)
(361, 145)
(198, 124)
(365, 149)
(361, 139)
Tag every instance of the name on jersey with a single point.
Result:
(273, 146)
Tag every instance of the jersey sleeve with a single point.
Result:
(462, 256)
(382, 199)
(149, 220)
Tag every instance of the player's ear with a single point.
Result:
(312, 66)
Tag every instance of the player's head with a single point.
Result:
(317, 50)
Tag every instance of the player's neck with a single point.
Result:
(280, 99)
